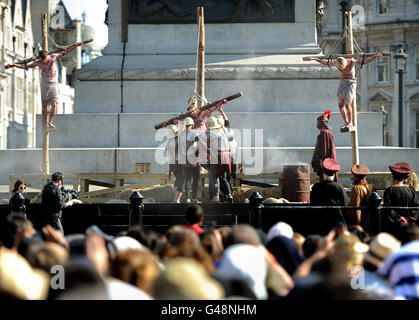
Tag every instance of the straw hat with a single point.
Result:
(186, 279)
(381, 247)
(19, 279)
(221, 121)
(350, 250)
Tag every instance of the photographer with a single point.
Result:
(53, 202)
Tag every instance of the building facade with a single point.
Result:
(20, 98)
(380, 26)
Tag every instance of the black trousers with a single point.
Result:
(192, 174)
(179, 180)
(225, 184)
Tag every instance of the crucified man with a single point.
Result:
(347, 86)
(49, 92)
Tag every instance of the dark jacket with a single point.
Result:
(52, 200)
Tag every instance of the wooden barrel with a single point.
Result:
(296, 183)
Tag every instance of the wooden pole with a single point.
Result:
(201, 56)
(45, 133)
(354, 133)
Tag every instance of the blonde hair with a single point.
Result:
(341, 63)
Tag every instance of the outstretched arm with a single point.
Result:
(368, 60)
(22, 66)
(69, 49)
(324, 62)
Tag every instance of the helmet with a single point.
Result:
(341, 63)
(220, 120)
(212, 123)
(173, 130)
(189, 121)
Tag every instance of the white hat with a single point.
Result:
(189, 121)
(247, 263)
(280, 229)
(381, 246)
(221, 120)
(173, 130)
(126, 243)
(212, 123)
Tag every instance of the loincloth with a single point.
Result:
(49, 91)
(347, 89)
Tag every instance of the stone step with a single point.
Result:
(280, 129)
(263, 95)
(124, 159)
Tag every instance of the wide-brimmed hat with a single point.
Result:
(19, 279)
(331, 165)
(189, 121)
(360, 170)
(186, 279)
(381, 246)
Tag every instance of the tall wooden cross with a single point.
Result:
(350, 54)
(201, 57)
(45, 132)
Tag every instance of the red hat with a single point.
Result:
(405, 164)
(400, 169)
(331, 165)
(360, 170)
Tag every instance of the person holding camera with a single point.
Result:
(53, 202)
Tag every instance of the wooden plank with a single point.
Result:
(101, 184)
(348, 55)
(123, 188)
(257, 184)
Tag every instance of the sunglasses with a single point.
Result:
(22, 188)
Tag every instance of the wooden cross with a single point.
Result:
(350, 54)
(201, 56)
(45, 132)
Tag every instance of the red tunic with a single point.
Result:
(325, 148)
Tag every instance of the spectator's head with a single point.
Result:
(124, 243)
(348, 252)
(82, 282)
(243, 234)
(194, 215)
(246, 263)
(20, 186)
(359, 172)
(45, 255)
(311, 245)
(225, 232)
(381, 246)
(186, 279)
(19, 280)
(408, 232)
(330, 167)
(142, 234)
(280, 229)
(212, 243)
(136, 267)
(57, 178)
(43, 54)
(185, 243)
(15, 229)
(299, 241)
(360, 233)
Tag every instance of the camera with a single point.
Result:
(69, 194)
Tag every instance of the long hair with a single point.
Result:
(17, 185)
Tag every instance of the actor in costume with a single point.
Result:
(49, 91)
(218, 158)
(174, 152)
(328, 192)
(200, 117)
(192, 168)
(228, 136)
(325, 145)
(360, 193)
(412, 180)
(347, 86)
(400, 195)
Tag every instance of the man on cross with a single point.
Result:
(49, 92)
(347, 86)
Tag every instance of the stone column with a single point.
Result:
(78, 39)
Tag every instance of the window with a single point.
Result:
(417, 61)
(20, 94)
(61, 38)
(382, 7)
(382, 66)
(85, 58)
